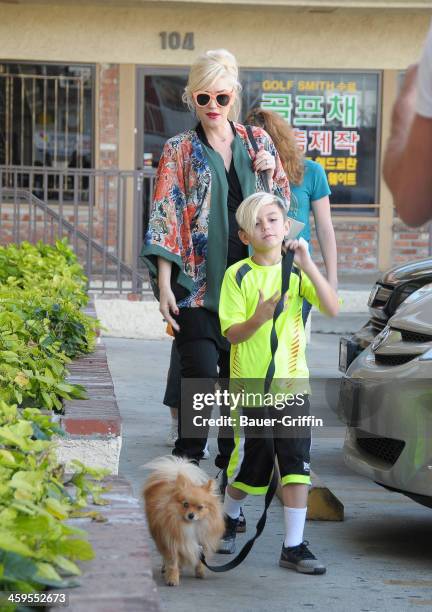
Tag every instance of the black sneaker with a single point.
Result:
(241, 525)
(301, 559)
(227, 543)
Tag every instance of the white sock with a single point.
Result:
(232, 506)
(294, 525)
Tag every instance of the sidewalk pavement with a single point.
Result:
(378, 559)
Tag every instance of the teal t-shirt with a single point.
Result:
(313, 187)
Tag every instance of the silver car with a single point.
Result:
(387, 295)
(386, 400)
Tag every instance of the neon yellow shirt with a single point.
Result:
(238, 301)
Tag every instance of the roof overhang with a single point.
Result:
(324, 6)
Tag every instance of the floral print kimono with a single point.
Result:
(189, 219)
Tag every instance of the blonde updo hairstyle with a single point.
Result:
(207, 69)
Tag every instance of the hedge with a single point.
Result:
(42, 327)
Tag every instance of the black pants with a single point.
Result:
(172, 395)
(200, 358)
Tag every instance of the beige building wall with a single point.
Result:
(258, 36)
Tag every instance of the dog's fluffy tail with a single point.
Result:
(169, 467)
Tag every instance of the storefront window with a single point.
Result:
(335, 119)
(46, 115)
(164, 114)
(335, 116)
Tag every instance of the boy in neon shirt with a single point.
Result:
(249, 296)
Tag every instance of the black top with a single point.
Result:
(236, 249)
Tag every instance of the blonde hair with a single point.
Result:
(282, 134)
(207, 69)
(247, 212)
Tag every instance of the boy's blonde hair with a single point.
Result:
(207, 69)
(248, 210)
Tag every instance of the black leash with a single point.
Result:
(259, 529)
(287, 263)
(255, 148)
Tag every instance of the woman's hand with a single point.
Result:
(168, 305)
(167, 301)
(265, 162)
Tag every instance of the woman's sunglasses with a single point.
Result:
(203, 98)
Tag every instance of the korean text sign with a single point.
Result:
(334, 116)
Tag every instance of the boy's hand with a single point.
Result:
(265, 308)
(301, 251)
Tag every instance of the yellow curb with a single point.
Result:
(323, 505)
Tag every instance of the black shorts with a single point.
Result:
(253, 458)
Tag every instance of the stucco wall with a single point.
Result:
(260, 36)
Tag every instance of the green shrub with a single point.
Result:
(41, 324)
(37, 548)
(42, 327)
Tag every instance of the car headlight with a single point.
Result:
(409, 292)
(399, 296)
(419, 293)
(426, 356)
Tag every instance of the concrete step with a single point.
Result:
(125, 319)
(354, 300)
(92, 426)
(344, 323)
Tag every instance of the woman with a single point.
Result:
(203, 176)
(309, 190)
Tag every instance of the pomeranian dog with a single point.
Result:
(184, 515)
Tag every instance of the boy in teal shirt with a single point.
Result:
(249, 296)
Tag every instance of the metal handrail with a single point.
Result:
(95, 216)
(70, 227)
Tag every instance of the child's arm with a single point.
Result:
(240, 332)
(327, 296)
